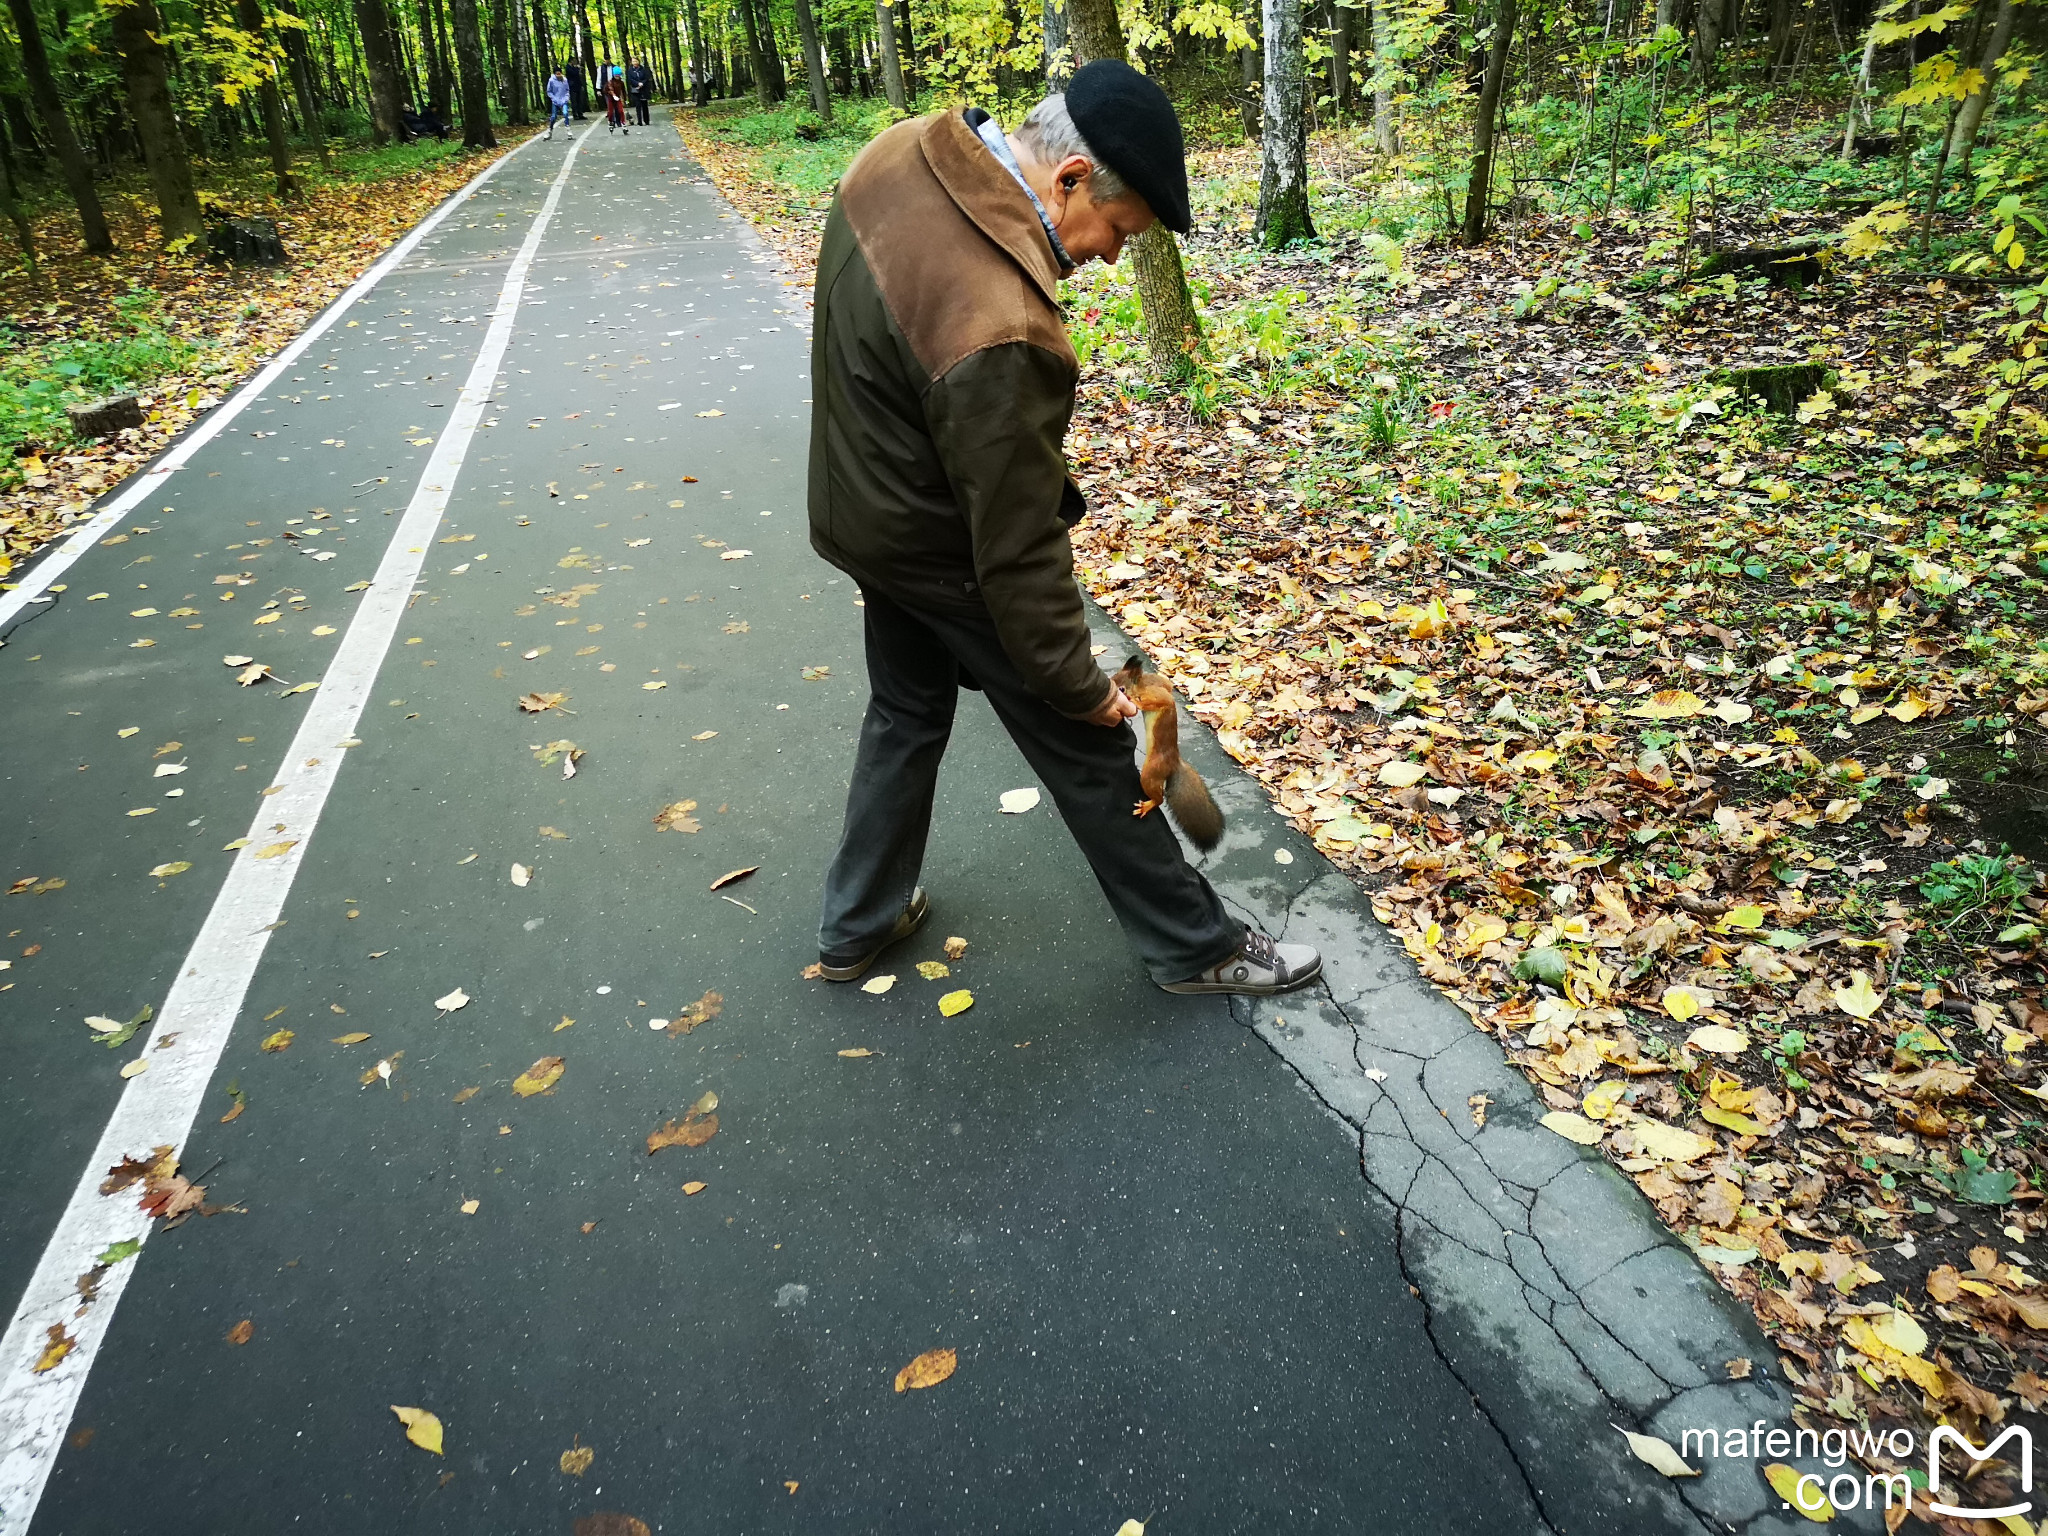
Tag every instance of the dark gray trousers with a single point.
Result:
(915, 662)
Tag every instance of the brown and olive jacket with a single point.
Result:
(942, 383)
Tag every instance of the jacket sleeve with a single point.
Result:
(999, 419)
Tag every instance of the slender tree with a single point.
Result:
(1386, 135)
(249, 17)
(700, 85)
(42, 88)
(814, 60)
(1059, 61)
(892, 64)
(1485, 118)
(472, 86)
(1962, 138)
(10, 206)
(1283, 137)
(137, 32)
(764, 87)
(299, 60)
(1173, 330)
(380, 64)
(1341, 29)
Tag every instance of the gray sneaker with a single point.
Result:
(915, 912)
(1261, 969)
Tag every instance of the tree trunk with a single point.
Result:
(778, 79)
(136, 27)
(1341, 28)
(1386, 133)
(249, 17)
(700, 93)
(1173, 330)
(300, 59)
(1059, 63)
(1962, 138)
(10, 206)
(814, 60)
(1283, 137)
(1859, 94)
(1483, 122)
(375, 25)
(763, 90)
(439, 86)
(892, 65)
(42, 87)
(1708, 24)
(471, 86)
(544, 40)
(1250, 75)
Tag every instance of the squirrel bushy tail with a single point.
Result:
(1189, 800)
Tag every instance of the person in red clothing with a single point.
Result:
(615, 104)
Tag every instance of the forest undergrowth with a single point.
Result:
(1666, 653)
(178, 330)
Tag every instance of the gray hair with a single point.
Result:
(1049, 133)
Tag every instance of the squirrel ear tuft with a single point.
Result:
(1134, 663)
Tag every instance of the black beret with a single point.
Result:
(1127, 120)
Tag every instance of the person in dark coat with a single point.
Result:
(640, 87)
(944, 381)
(614, 93)
(579, 91)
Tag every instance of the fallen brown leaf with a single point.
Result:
(677, 818)
(242, 1332)
(703, 1011)
(927, 1370)
(732, 875)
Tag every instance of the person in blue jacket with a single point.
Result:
(558, 100)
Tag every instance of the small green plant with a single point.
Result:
(1976, 882)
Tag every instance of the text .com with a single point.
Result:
(1948, 1457)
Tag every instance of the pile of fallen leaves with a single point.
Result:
(1678, 741)
(239, 317)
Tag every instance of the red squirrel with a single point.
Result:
(1164, 776)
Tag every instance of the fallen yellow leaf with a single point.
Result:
(1786, 1482)
(1859, 998)
(956, 1002)
(539, 1077)
(421, 1427)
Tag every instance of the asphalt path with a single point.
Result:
(1152, 1253)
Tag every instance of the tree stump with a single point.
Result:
(103, 418)
(1781, 265)
(1780, 386)
(246, 243)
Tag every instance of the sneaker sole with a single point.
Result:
(1239, 988)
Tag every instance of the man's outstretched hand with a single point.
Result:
(1114, 710)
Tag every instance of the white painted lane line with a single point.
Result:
(45, 571)
(158, 1107)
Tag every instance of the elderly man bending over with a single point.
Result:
(943, 381)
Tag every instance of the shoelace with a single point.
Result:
(1259, 949)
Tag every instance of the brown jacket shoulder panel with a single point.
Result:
(953, 244)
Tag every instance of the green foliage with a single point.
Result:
(1976, 882)
(36, 383)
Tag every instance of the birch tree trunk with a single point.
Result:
(1962, 138)
(1173, 331)
(42, 85)
(1283, 138)
(1059, 65)
(136, 28)
(1483, 123)
(1386, 134)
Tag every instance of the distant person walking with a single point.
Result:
(640, 86)
(615, 104)
(558, 101)
(579, 91)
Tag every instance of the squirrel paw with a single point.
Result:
(1145, 807)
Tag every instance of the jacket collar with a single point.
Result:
(985, 192)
